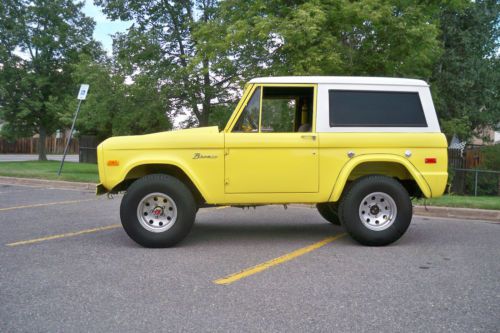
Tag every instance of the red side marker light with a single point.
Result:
(430, 160)
(113, 163)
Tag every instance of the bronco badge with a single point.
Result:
(197, 156)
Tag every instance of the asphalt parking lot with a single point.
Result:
(66, 265)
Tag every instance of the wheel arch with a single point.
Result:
(383, 164)
(173, 170)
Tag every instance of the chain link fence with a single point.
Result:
(467, 176)
(474, 182)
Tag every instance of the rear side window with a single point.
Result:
(350, 108)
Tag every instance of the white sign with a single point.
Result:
(82, 94)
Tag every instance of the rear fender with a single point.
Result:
(339, 186)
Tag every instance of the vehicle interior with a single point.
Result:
(284, 110)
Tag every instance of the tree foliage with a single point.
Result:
(190, 58)
(39, 40)
(165, 44)
(466, 78)
(372, 37)
(114, 106)
(201, 52)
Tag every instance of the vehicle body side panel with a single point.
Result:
(204, 165)
(336, 166)
(271, 163)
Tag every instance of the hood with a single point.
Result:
(193, 137)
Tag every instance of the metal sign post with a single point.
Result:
(82, 94)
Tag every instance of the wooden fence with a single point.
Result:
(471, 157)
(53, 145)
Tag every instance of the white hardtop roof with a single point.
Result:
(341, 80)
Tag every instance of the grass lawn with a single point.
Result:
(463, 201)
(79, 172)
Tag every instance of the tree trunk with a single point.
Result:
(203, 119)
(42, 156)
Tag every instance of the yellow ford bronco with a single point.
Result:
(357, 147)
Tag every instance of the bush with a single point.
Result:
(491, 158)
(487, 183)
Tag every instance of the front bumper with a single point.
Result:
(100, 189)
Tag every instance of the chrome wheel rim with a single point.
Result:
(378, 211)
(157, 212)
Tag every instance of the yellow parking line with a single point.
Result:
(276, 261)
(69, 234)
(46, 204)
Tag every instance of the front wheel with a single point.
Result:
(376, 210)
(157, 211)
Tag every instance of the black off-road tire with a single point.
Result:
(329, 211)
(376, 194)
(168, 189)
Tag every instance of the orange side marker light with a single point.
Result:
(113, 163)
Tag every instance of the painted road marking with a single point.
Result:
(46, 204)
(69, 234)
(276, 261)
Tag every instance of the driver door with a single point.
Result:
(264, 152)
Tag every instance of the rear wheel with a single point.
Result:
(329, 211)
(158, 211)
(376, 210)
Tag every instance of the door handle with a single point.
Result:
(312, 137)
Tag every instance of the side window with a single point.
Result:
(287, 109)
(375, 109)
(278, 114)
(249, 118)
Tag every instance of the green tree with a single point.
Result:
(167, 45)
(466, 79)
(143, 109)
(372, 37)
(114, 107)
(39, 40)
(104, 99)
(200, 52)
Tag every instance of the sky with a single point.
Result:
(104, 27)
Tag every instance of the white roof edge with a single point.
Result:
(341, 80)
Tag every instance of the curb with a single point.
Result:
(458, 213)
(47, 183)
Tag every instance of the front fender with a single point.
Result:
(354, 162)
(206, 174)
(173, 162)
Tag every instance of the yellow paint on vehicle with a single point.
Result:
(276, 261)
(69, 234)
(45, 204)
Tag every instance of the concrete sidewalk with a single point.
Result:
(47, 183)
(34, 157)
(458, 213)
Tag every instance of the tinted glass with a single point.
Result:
(375, 109)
